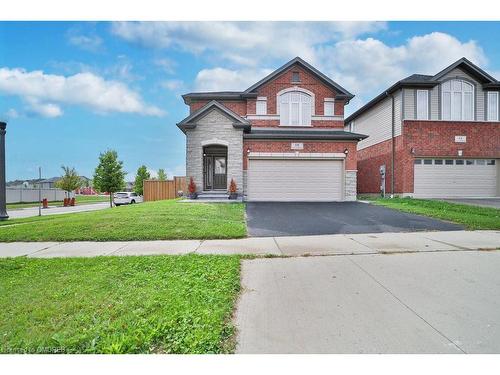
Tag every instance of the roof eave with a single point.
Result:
(288, 136)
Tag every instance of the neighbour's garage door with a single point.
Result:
(294, 180)
(448, 178)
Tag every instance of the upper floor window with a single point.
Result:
(329, 108)
(457, 100)
(295, 77)
(261, 106)
(295, 109)
(422, 104)
(492, 106)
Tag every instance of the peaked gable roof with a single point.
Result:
(423, 80)
(468, 66)
(190, 121)
(298, 61)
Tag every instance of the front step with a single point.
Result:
(213, 195)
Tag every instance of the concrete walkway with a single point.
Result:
(33, 211)
(426, 302)
(338, 244)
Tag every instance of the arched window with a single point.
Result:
(295, 109)
(457, 100)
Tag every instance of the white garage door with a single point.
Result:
(294, 180)
(448, 178)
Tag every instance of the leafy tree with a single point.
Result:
(70, 180)
(142, 174)
(109, 174)
(162, 176)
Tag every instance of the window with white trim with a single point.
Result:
(492, 105)
(329, 107)
(457, 100)
(422, 104)
(261, 106)
(295, 109)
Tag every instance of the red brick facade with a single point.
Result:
(424, 139)
(308, 81)
(309, 147)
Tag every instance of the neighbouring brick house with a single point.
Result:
(282, 139)
(439, 136)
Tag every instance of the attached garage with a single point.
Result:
(307, 180)
(454, 178)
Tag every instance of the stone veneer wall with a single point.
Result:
(350, 185)
(217, 127)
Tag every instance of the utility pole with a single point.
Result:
(39, 191)
(3, 193)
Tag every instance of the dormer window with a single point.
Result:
(295, 109)
(295, 77)
(457, 100)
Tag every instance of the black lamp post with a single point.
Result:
(3, 198)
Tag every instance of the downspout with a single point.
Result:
(393, 144)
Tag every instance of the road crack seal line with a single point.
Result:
(408, 307)
(45, 248)
(449, 244)
(278, 246)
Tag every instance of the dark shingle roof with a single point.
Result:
(267, 133)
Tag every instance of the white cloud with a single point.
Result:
(91, 43)
(46, 92)
(9, 115)
(221, 79)
(172, 84)
(168, 65)
(43, 109)
(244, 43)
(367, 66)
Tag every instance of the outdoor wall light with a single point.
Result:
(248, 150)
(412, 151)
(346, 151)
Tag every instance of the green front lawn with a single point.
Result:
(148, 304)
(161, 220)
(80, 199)
(472, 217)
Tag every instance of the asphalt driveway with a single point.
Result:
(265, 219)
(430, 302)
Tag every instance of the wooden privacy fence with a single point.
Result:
(155, 190)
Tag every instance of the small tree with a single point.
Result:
(142, 174)
(70, 180)
(109, 174)
(162, 176)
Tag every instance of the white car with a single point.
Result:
(126, 197)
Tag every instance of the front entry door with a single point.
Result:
(215, 172)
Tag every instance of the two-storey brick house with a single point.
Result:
(282, 139)
(439, 136)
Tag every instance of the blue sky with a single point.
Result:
(70, 90)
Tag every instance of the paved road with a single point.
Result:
(435, 302)
(33, 211)
(483, 202)
(295, 219)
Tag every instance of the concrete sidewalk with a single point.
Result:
(33, 211)
(337, 244)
